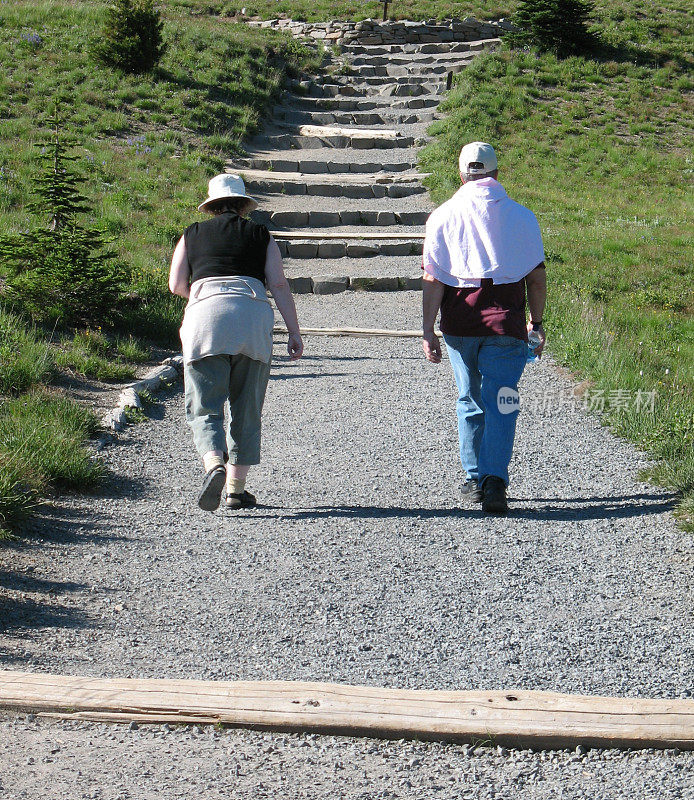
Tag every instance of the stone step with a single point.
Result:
(383, 267)
(313, 89)
(424, 48)
(331, 103)
(427, 74)
(363, 191)
(374, 102)
(289, 142)
(360, 81)
(283, 114)
(339, 218)
(320, 166)
(322, 245)
(335, 284)
(409, 61)
(389, 89)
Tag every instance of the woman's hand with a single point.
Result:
(295, 346)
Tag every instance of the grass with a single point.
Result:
(42, 448)
(322, 10)
(599, 148)
(25, 356)
(92, 354)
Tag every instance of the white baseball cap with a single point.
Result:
(477, 158)
(226, 185)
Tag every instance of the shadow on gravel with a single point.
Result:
(585, 508)
(361, 512)
(23, 613)
(62, 525)
(21, 582)
(305, 375)
(119, 486)
(588, 508)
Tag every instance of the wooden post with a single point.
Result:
(385, 9)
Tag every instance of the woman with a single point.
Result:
(223, 266)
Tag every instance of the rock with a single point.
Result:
(382, 284)
(323, 219)
(413, 284)
(330, 285)
(300, 285)
(302, 249)
(332, 250)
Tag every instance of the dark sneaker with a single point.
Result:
(243, 500)
(494, 495)
(471, 491)
(211, 492)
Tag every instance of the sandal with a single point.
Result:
(211, 492)
(242, 500)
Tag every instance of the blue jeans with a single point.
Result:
(487, 370)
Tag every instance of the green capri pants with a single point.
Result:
(210, 383)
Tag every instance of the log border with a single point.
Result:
(527, 719)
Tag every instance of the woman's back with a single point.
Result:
(226, 245)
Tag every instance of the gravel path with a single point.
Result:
(360, 566)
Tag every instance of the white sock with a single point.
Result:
(236, 485)
(211, 460)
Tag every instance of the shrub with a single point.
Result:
(560, 26)
(131, 39)
(63, 272)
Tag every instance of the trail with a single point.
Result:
(360, 565)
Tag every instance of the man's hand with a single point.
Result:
(432, 347)
(295, 346)
(541, 331)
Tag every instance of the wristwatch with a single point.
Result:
(536, 325)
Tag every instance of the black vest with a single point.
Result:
(226, 245)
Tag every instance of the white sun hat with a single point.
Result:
(224, 186)
(477, 158)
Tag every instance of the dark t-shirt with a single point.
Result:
(488, 310)
(226, 245)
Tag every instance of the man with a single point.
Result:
(481, 252)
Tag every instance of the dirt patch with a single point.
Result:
(102, 396)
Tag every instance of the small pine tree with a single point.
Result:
(131, 38)
(560, 26)
(62, 272)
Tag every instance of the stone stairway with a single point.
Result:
(335, 170)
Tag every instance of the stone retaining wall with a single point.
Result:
(372, 32)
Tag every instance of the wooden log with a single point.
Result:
(356, 332)
(383, 235)
(340, 177)
(353, 133)
(515, 718)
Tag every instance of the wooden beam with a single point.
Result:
(515, 718)
(388, 135)
(355, 332)
(312, 233)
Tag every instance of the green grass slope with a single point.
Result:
(600, 149)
